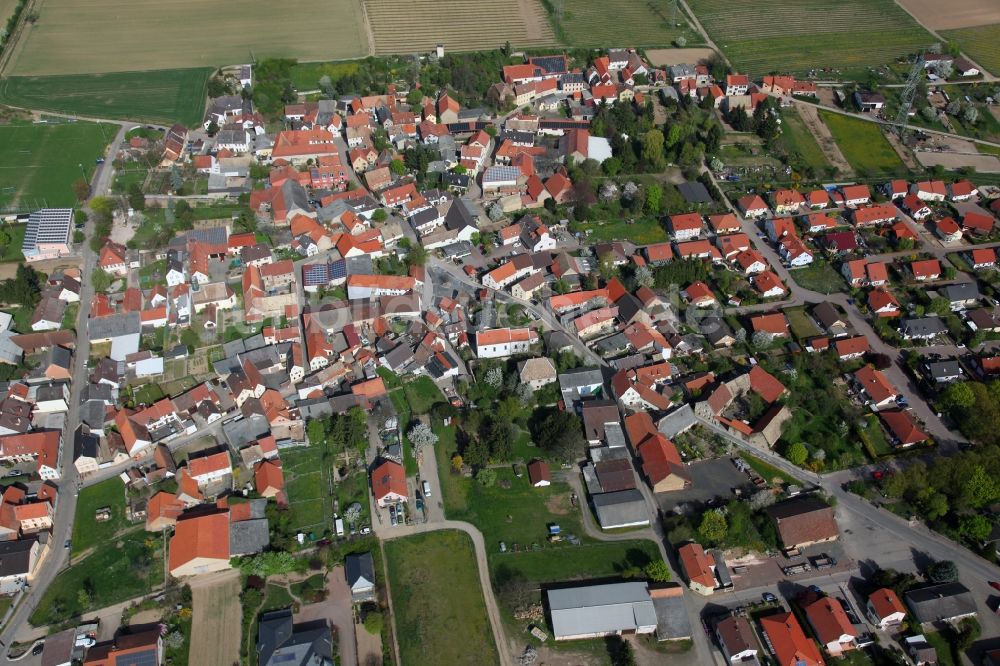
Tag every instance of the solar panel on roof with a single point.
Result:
(147, 658)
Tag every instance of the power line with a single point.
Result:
(909, 92)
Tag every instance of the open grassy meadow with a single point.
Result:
(96, 36)
(39, 163)
(862, 143)
(592, 23)
(798, 36)
(982, 43)
(117, 570)
(437, 601)
(800, 141)
(458, 24)
(165, 96)
(307, 480)
(87, 531)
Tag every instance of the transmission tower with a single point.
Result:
(906, 98)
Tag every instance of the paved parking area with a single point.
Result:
(709, 479)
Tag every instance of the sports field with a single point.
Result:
(797, 36)
(38, 163)
(437, 601)
(982, 44)
(610, 23)
(95, 36)
(862, 143)
(458, 24)
(165, 96)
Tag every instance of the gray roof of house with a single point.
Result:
(620, 509)
(573, 379)
(114, 326)
(248, 536)
(85, 444)
(15, 557)
(462, 214)
(940, 602)
(599, 609)
(358, 566)
(314, 408)
(248, 429)
(694, 192)
(966, 291)
(677, 421)
(924, 327)
(672, 621)
(279, 641)
(951, 368)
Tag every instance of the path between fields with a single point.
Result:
(504, 646)
(215, 599)
(810, 116)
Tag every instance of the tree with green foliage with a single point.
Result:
(397, 166)
(797, 454)
(658, 571)
(976, 528)
(416, 256)
(136, 199)
(81, 189)
(652, 149)
(560, 436)
(654, 199)
(487, 477)
(713, 526)
(980, 489)
(944, 571)
(374, 622)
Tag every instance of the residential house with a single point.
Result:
(389, 483)
(830, 625)
(788, 642)
(802, 522)
(885, 609)
(943, 603)
(698, 568)
(360, 571)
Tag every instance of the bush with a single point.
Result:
(374, 622)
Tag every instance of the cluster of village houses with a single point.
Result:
(308, 361)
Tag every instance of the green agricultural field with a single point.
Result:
(595, 24)
(437, 600)
(39, 163)
(87, 531)
(801, 144)
(862, 143)
(306, 75)
(73, 37)
(982, 43)
(163, 96)
(797, 36)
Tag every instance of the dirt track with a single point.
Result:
(825, 140)
(215, 625)
(956, 14)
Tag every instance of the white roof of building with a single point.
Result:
(601, 609)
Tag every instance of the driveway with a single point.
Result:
(710, 479)
(337, 611)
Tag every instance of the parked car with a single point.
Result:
(995, 585)
(769, 597)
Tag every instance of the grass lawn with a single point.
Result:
(874, 438)
(165, 95)
(437, 601)
(149, 393)
(586, 561)
(402, 405)
(12, 252)
(980, 43)
(643, 232)
(119, 569)
(862, 143)
(800, 323)
(39, 163)
(422, 394)
(798, 36)
(521, 515)
(306, 482)
(87, 531)
(306, 75)
(945, 657)
(819, 276)
(800, 140)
